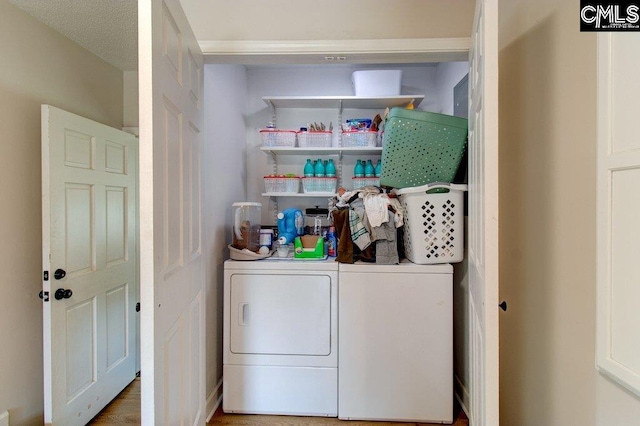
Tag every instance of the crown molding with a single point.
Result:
(423, 49)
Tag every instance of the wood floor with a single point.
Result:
(125, 410)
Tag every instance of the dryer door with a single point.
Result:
(280, 314)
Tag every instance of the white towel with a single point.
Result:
(376, 206)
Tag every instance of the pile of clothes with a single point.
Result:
(366, 222)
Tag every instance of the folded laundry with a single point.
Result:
(398, 211)
(376, 206)
(359, 233)
(365, 216)
(385, 238)
(345, 244)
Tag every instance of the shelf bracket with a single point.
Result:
(275, 209)
(273, 113)
(275, 162)
(339, 122)
(339, 172)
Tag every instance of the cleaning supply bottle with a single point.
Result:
(368, 169)
(332, 242)
(358, 170)
(308, 169)
(378, 169)
(330, 170)
(319, 168)
(290, 225)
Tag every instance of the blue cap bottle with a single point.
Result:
(378, 169)
(319, 168)
(330, 169)
(308, 169)
(368, 169)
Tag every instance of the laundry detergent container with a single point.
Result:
(420, 147)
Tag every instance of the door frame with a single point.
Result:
(357, 51)
(313, 52)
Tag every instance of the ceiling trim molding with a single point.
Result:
(249, 48)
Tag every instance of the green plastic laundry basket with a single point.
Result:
(421, 147)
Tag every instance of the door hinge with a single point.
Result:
(138, 307)
(44, 295)
(45, 275)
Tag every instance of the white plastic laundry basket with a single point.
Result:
(433, 223)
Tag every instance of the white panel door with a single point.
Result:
(171, 264)
(482, 354)
(89, 174)
(618, 316)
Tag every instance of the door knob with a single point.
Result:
(61, 293)
(59, 274)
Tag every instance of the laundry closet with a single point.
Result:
(287, 344)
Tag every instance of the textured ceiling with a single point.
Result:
(108, 28)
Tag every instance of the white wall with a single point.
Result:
(448, 75)
(130, 99)
(615, 406)
(38, 66)
(329, 19)
(225, 101)
(548, 222)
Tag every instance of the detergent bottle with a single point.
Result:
(378, 169)
(290, 225)
(330, 168)
(358, 170)
(369, 170)
(319, 168)
(332, 242)
(308, 169)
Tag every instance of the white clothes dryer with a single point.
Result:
(280, 337)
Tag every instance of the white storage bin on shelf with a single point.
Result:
(271, 137)
(361, 182)
(319, 184)
(314, 139)
(359, 139)
(377, 82)
(285, 185)
(434, 223)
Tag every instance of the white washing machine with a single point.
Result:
(280, 337)
(396, 342)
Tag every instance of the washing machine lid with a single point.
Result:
(404, 267)
(280, 314)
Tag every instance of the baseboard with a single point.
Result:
(462, 395)
(214, 400)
